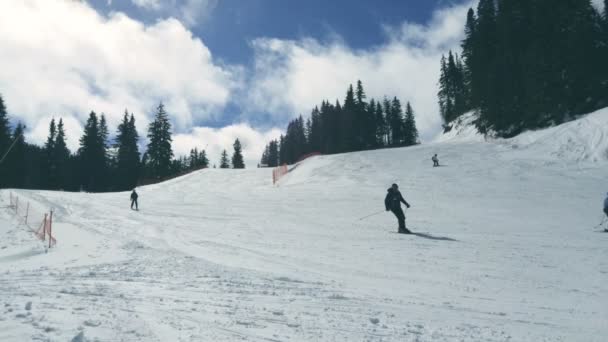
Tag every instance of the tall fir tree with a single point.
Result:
(159, 151)
(16, 163)
(61, 155)
(127, 156)
(5, 140)
(396, 122)
(92, 156)
(468, 56)
(224, 162)
(410, 130)
(381, 126)
(347, 133)
(237, 156)
(50, 169)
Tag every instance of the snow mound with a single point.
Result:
(463, 130)
(584, 139)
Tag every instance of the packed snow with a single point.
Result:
(507, 248)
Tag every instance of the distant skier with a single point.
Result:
(435, 160)
(134, 197)
(606, 205)
(393, 202)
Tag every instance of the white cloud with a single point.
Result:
(290, 77)
(148, 4)
(61, 58)
(214, 140)
(190, 12)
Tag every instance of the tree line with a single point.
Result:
(98, 165)
(527, 64)
(356, 125)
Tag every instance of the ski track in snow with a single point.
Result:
(505, 250)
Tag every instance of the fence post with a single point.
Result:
(50, 229)
(44, 228)
(27, 212)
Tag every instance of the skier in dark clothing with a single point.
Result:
(606, 205)
(435, 160)
(134, 199)
(393, 202)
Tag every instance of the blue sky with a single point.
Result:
(225, 69)
(232, 24)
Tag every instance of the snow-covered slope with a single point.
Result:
(506, 251)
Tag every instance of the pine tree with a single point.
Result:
(159, 151)
(396, 123)
(315, 134)
(445, 104)
(409, 129)
(5, 144)
(468, 55)
(381, 126)
(127, 156)
(363, 127)
(15, 162)
(203, 161)
(347, 133)
(224, 163)
(92, 156)
(237, 156)
(61, 155)
(50, 169)
(5, 135)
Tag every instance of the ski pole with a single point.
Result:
(601, 223)
(370, 215)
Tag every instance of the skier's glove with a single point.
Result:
(408, 206)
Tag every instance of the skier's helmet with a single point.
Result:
(395, 186)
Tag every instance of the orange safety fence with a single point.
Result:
(25, 213)
(279, 172)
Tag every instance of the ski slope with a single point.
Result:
(506, 250)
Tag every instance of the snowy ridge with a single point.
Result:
(506, 250)
(463, 130)
(585, 139)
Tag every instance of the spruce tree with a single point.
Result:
(159, 147)
(5, 135)
(347, 133)
(61, 155)
(127, 156)
(224, 163)
(92, 156)
(445, 104)
(381, 126)
(468, 55)
(50, 169)
(16, 163)
(396, 122)
(203, 161)
(237, 156)
(409, 129)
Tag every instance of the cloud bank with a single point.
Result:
(291, 77)
(66, 59)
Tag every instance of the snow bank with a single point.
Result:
(505, 250)
(584, 139)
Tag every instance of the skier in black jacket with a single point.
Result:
(392, 202)
(134, 199)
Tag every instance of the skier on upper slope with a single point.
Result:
(393, 202)
(134, 197)
(435, 160)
